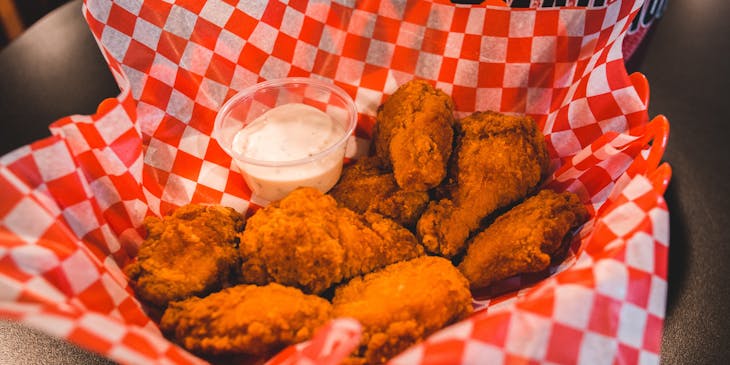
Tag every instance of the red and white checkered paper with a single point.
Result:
(72, 204)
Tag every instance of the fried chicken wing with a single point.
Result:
(414, 135)
(523, 239)
(306, 240)
(402, 304)
(245, 319)
(497, 161)
(191, 252)
(366, 186)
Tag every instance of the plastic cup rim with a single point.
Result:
(228, 105)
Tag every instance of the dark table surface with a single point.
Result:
(55, 69)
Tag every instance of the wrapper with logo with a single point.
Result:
(72, 204)
(650, 12)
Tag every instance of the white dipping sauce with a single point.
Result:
(287, 133)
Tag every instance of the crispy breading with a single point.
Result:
(245, 319)
(306, 240)
(414, 134)
(404, 207)
(366, 186)
(524, 239)
(191, 252)
(498, 160)
(402, 304)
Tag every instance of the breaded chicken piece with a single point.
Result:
(245, 319)
(498, 160)
(305, 240)
(191, 252)
(523, 239)
(366, 186)
(414, 135)
(402, 304)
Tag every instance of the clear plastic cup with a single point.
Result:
(271, 179)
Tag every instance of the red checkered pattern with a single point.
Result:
(329, 345)
(102, 333)
(604, 305)
(72, 204)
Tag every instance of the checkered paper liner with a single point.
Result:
(72, 204)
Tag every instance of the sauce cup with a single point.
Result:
(267, 171)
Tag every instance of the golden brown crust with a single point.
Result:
(306, 240)
(523, 239)
(191, 252)
(402, 304)
(404, 207)
(362, 183)
(414, 135)
(366, 186)
(245, 319)
(498, 160)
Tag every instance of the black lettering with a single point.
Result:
(559, 3)
(654, 10)
(637, 20)
(635, 23)
(649, 9)
(552, 3)
(521, 3)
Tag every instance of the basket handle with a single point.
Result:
(654, 134)
(641, 85)
(657, 131)
(660, 178)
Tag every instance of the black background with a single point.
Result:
(55, 69)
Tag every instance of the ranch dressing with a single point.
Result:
(287, 133)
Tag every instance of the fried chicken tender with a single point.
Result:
(305, 240)
(414, 134)
(497, 161)
(523, 239)
(402, 304)
(191, 252)
(245, 319)
(366, 186)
